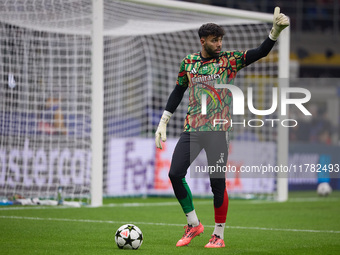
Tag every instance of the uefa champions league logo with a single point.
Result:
(238, 105)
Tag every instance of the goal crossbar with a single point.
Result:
(208, 9)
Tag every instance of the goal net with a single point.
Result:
(45, 112)
(45, 66)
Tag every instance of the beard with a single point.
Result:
(211, 52)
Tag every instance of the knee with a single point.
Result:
(174, 177)
(171, 175)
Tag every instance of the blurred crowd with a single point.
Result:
(314, 129)
(306, 15)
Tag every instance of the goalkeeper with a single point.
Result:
(200, 72)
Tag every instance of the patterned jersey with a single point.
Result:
(200, 77)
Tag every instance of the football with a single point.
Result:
(129, 236)
(324, 189)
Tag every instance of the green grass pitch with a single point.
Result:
(306, 224)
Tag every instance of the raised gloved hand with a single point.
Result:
(280, 22)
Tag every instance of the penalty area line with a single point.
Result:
(165, 224)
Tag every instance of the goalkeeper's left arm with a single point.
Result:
(172, 104)
(280, 22)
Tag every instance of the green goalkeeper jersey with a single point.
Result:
(201, 76)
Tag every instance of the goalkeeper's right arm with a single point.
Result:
(161, 129)
(172, 104)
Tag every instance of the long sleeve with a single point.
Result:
(259, 52)
(175, 98)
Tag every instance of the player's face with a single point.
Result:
(211, 46)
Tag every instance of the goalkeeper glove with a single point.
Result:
(161, 130)
(280, 22)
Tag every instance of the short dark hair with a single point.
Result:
(210, 29)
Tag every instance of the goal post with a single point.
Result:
(97, 113)
(283, 135)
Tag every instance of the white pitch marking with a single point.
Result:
(167, 224)
(175, 203)
(106, 205)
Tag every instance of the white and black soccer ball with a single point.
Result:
(324, 189)
(129, 236)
